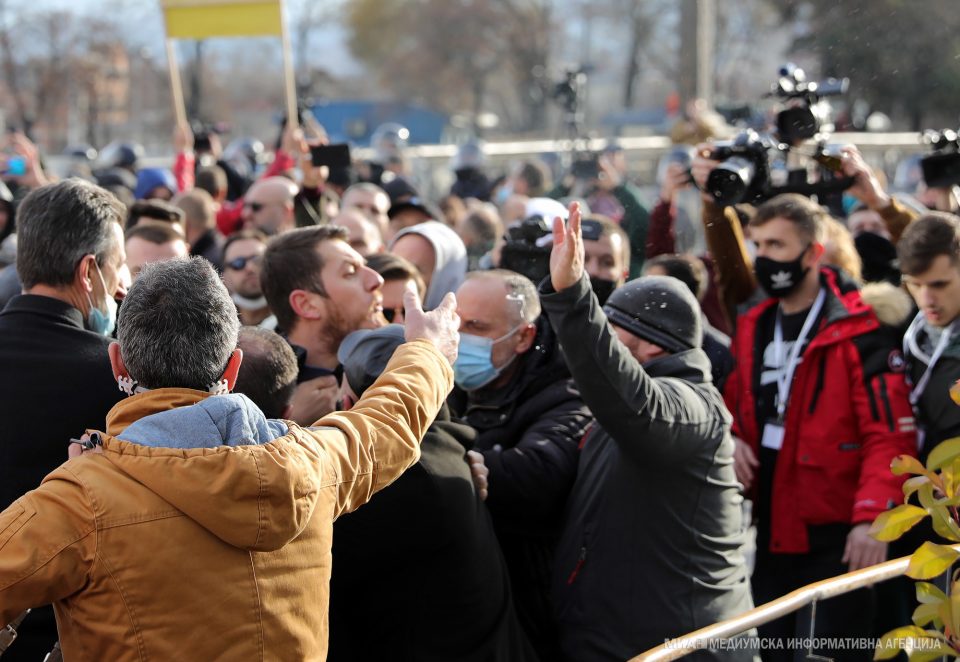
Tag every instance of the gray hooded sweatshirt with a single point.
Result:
(450, 267)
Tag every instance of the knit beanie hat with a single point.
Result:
(660, 309)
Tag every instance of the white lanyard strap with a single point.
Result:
(917, 391)
(785, 379)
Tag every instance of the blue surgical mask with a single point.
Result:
(503, 193)
(474, 367)
(99, 320)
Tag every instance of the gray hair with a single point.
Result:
(58, 224)
(520, 289)
(177, 326)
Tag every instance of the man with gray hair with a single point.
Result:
(198, 528)
(529, 415)
(53, 358)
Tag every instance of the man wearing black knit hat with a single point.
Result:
(651, 547)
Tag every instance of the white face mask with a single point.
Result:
(246, 303)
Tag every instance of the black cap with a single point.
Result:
(659, 309)
(364, 354)
(417, 203)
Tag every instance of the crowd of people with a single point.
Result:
(275, 453)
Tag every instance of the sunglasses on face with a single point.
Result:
(240, 263)
(390, 314)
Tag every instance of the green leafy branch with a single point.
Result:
(937, 491)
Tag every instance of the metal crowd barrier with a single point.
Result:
(789, 603)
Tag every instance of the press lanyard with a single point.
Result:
(785, 380)
(917, 391)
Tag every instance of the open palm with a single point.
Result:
(566, 258)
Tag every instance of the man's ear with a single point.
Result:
(116, 361)
(83, 275)
(527, 336)
(307, 305)
(233, 368)
(817, 249)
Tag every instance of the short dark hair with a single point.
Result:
(212, 179)
(537, 177)
(157, 210)
(804, 213)
(292, 262)
(249, 233)
(156, 232)
(393, 267)
(58, 224)
(688, 269)
(609, 227)
(484, 223)
(198, 209)
(927, 238)
(268, 373)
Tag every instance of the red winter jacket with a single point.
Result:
(847, 418)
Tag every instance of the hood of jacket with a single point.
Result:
(218, 460)
(450, 266)
(692, 365)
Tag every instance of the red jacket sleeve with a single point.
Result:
(183, 171)
(229, 217)
(887, 429)
(661, 239)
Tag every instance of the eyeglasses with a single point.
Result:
(240, 263)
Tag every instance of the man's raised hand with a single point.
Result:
(566, 258)
(440, 326)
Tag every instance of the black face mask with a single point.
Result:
(603, 288)
(780, 279)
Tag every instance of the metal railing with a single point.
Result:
(789, 603)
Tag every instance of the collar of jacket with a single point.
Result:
(132, 409)
(37, 304)
(844, 311)
(691, 365)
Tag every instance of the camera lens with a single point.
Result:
(729, 181)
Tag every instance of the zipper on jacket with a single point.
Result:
(872, 398)
(576, 569)
(886, 404)
(821, 371)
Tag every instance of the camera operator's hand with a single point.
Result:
(609, 178)
(441, 326)
(866, 187)
(675, 178)
(701, 168)
(566, 257)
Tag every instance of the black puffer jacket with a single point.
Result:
(651, 545)
(528, 434)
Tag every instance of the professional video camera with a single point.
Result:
(941, 169)
(756, 167)
(807, 110)
(527, 250)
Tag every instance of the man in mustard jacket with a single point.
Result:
(199, 529)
